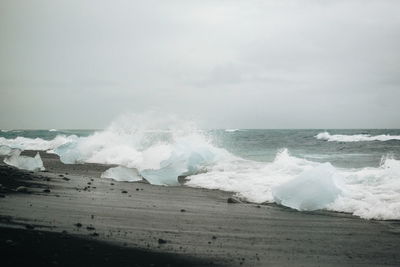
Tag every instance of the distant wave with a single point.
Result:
(25, 143)
(356, 137)
(53, 130)
(231, 130)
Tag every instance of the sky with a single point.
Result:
(223, 63)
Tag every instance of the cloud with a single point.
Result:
(233, 64)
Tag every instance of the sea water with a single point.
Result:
(355, 171)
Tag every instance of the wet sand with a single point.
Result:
(172, 226)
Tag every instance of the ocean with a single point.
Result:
(354, 171)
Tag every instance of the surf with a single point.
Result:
(166, 150)
(356, 137)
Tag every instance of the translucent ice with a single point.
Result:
(5, 150)
(24, 162)
(311, 190)
(121, 173)
(187, 158)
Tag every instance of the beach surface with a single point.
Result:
(69, 216)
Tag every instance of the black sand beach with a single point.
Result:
(68, 216)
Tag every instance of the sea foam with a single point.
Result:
(356, 137)
(370, 193)
(24, 143)
(162, 149)
(159, 155)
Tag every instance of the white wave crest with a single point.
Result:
(161, 149)
(24, 143)
(355, 138)
(370, 193)
(160, 155)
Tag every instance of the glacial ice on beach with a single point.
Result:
(5, 150)
(160, 156)
(24, 162)
(121, 173)
(311, 190)
(185, 160)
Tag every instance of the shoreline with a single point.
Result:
(186, 222)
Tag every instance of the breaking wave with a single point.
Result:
(161, 150)
(356, 137)
(37, 143)
(370, 193)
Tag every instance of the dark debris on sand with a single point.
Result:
(13, 180)
(37, 248)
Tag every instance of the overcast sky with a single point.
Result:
(227, 64)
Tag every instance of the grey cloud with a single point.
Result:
(239, 64)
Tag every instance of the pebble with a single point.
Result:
(161, 241)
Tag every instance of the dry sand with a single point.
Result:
(179, 226)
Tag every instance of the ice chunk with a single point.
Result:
(167, 174)
(311, 190)
(184, 161)
(5, 150)
(122, 174)
(69, 153)
(24, 162)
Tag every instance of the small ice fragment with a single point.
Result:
(184, 163)
(5, 150)
(311, 190)
(24, 162)
(122, 174)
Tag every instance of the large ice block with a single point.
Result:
(121, 173)
(311, 190)
(25, 162)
